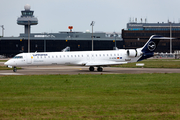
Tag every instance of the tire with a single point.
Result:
(99, 69)
(14, 69)
(91, 68)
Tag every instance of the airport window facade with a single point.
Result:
(137, 39)
(12, 47)
(154, 29)
(27, 13)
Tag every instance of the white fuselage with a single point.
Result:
(85, 58)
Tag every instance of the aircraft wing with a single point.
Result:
(105, 63)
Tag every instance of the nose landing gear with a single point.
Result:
(14, 69)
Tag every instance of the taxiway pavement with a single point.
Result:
(46, 70)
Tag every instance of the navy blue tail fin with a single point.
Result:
(151, 45)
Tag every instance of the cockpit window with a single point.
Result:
(18, 57)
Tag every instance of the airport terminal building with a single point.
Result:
(55, 42)
(137, 34)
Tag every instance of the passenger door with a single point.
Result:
(28, 59)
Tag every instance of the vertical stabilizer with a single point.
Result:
(150, 46)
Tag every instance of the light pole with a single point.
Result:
(170, 38)
(2, 30)
(28, 37)
(115, 35)
(92, 24)
(45, 41)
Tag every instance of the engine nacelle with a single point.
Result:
(133, 53)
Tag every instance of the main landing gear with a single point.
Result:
(99, 69)
(91, 68)
(14, 69)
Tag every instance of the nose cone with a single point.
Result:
(6, 63)
(9, 62)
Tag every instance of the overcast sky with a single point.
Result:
(109, 15)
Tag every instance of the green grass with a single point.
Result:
(3, 60)
(154, 63)
(5, 68)
(132, 96)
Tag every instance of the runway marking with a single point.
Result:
(10, 74)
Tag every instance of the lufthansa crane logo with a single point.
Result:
(151, 46)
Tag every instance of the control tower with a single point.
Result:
(27, 19)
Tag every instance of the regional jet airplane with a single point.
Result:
(91, 59)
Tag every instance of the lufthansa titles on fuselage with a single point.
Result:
(40, 54)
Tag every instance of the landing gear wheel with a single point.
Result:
(99, 69)
(91, 68)
(14, 69)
